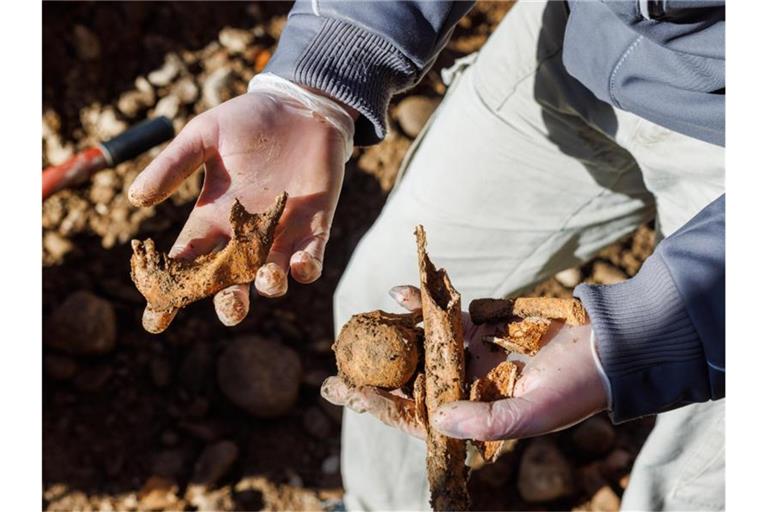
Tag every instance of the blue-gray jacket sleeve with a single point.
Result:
(660, 336)
(362, 53)
(670, 70)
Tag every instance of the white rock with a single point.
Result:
(605, 273)
(168, 107)
(186, 90)
(143, 96)
(569, 277)
(170, 70)
(235, 40)
(214, 86)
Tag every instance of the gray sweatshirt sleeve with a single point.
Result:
(660, 336)
(362, 53)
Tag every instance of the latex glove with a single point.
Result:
(559, 387)
(277, 137)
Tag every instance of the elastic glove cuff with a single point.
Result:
(307, 103)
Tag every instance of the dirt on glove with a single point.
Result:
(498, 384)
(169, 283)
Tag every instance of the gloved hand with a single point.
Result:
(559, 387)
(277, 137)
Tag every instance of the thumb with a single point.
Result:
(538, 411)
(486, 421)
(195, 144)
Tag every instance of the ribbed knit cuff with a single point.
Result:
(646, 342)
(355, 66)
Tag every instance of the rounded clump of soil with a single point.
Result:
(378, 349)
(84, 324)
(260, 376)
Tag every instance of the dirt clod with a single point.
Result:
(378, 349)
(524, 337)
(498, 384)
(169, 283)
(497, 310)
(260, 376)
(84, 324)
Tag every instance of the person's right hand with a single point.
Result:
(253, 148)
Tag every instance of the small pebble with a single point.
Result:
(168, 107)
(331, 465)
(170, 69)
(413, 112)
(569, 277)
(235, 40)
(605, 273)
(605, 500)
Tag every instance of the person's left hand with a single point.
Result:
(559, 387)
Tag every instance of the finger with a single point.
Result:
(272, 278)
(157, 321)
(390, 409)
(305, 268)
(407, 296)
(198, 236)
(539, 411)
(232, 304)
(185, 153)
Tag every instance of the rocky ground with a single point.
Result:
(133, 421)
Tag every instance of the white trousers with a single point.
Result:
(519, 174)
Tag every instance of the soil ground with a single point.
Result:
(139, 426)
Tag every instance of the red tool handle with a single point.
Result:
(73, 171)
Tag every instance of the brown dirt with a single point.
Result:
(151, 406)
(444, 379)
(498, 384)
(378, 349)
(169, 283)
(523, 337)
(567, 309)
